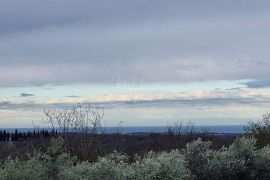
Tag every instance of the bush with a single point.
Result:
(196, 154)
(260, 130)
(22, 170)
(41, 165)
(222, 164)
(244, 150)
(113, 166)
(226, 163)
(234, 162)
(262, 163)
(161, 166)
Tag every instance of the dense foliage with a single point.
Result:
(260, 130)
(241, 160)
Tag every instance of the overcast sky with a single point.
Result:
(211, 53)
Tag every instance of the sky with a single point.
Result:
(147, 63)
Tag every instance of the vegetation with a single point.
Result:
(260, 130)
(17, 136)
(87, 153)
(241, 160)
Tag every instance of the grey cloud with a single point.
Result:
(148, 71)
(158, 103)
(13, 106)
(26, 95)
(33, 14)
(258, 84)
(4, 104)
(72, 96)
(97, 41)
(194, 102)
(237, 88)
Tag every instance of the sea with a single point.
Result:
(221, 129)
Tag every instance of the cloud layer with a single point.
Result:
(94, 41)
(218, 51)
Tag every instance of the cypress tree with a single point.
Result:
(52, 133)
(16, 135)
(8, 135)
(28, 134)
(43, 132)
(20, 135)
(1, 135)
(4, 135)
(46, 133)
(24, 135)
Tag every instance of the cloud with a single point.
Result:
(258, 84)
(93, 41)
(26, 95)
(36, 14)
(190, 99)
(157, 103)
(72, 96)
(4, 103)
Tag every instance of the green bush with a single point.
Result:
(113, 166)
(23, 170)
(222, 164)
(236, 161)
(260, 130)
(161, 166)
(262, 163)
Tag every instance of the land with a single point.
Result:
(104, 144)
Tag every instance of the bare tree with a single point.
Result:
(79, 126)
(181, 128)
(81, 118)
(182, 131)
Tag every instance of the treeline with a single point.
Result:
(15, 136)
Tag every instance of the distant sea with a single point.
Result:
(156, 129)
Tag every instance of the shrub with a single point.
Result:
(226, 163)
(113, 166)
(222, 164)
(55, 159)
(196, 154)
(41, 165)
(244, 150)
(22, 170)
(161, 166)
(260, 130)
(262, 163)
